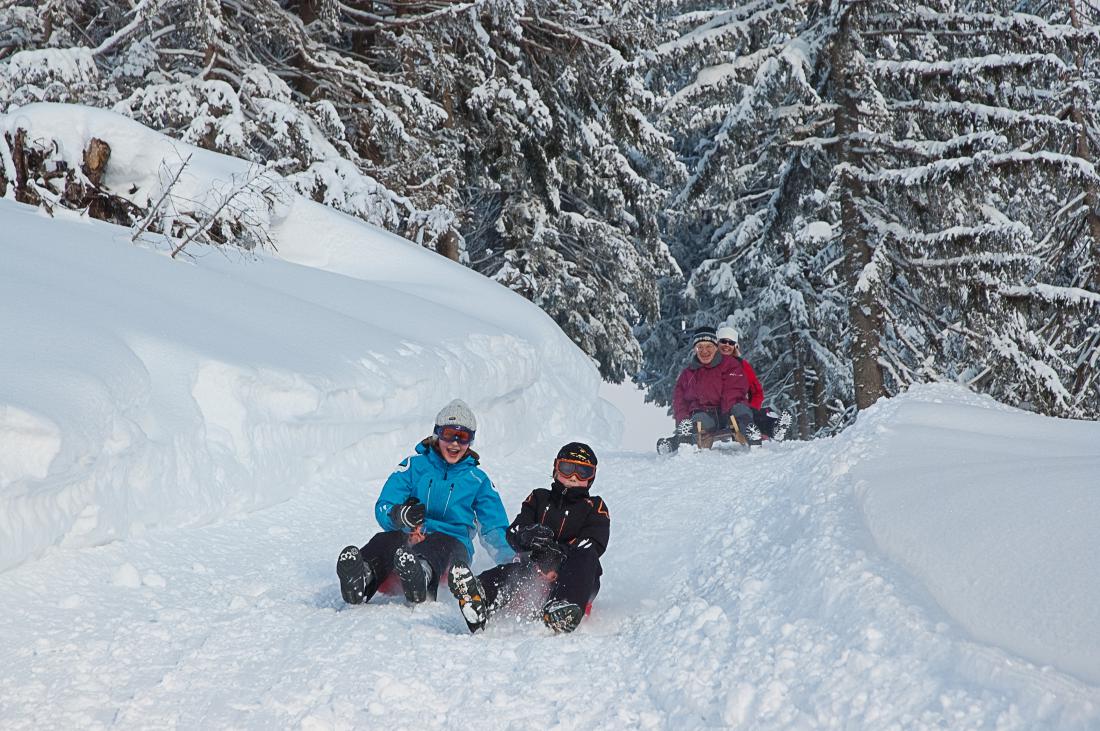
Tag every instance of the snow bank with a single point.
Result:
(137, 390)
(995, 511)
(899, 575)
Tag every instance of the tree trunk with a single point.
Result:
(96, 156)
(801, 398)
(307, 11)
(447, 245)
(821, 410)
(864, 309)
(1077, 113)
(24, 193)
(362, 33)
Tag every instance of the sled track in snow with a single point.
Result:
(738, 589)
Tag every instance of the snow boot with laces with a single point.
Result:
(561, 615)
(781, 428)
(355, 575)
(415, 575)
(467, 589)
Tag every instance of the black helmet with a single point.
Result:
(577, 452)
(576, 458)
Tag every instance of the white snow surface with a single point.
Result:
(185, 446)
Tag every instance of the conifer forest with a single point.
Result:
(872, 192)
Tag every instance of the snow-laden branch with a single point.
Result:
(970, 66)
(141, 12)
(984, 112)
(1052, 294)
(924, 20)
(931, 149)
(616, 58)
(421, 19)
(983, 258)
(920, 174)
(953, 233)
(738, 23)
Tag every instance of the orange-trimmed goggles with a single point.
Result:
(458, 434)
(569, 467)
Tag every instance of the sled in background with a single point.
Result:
(707, 440)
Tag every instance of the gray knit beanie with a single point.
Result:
(456, 413)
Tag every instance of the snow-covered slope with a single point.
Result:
(139, 391)
(997, 512)
(739, 591)
(186, 445)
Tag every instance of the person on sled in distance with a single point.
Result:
(560, 534)
(428, 510)
(744, 388)
(702, 394)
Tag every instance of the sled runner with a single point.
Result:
(706, 440)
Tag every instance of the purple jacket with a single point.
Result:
(701, 388)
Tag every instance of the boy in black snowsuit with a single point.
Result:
(559, 536)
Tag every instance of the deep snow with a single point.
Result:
(186, 445)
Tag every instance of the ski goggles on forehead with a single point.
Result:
(456, 434)
(582, 470)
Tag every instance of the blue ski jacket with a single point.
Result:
(457, 497)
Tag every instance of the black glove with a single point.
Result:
(534, 535)
(409, 514)
(548, 556)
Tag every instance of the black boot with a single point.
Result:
(781, 427)
(355, 575)
(561, 615)
(667, 445)
(470, 594)
(415, 575)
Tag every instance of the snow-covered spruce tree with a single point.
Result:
(251, 79)
(924, 179)
(1067, 320)
(549, 124)
(958, 152)
(977, 161)
(736, 86)
(515, 125)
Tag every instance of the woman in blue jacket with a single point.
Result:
(429, 509)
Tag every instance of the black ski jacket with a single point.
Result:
(579, 520)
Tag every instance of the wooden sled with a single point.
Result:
(707, 440)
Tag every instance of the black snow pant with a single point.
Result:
(712, 421)
(438, 549)
(521, 582)
(748, 416)
(709, 420)
(765, 422)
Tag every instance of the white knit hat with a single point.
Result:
(456, 413)
(727, 333)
